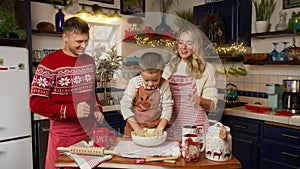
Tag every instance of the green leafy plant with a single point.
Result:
(164, 5)
(263, 9)
(9, 26)
(184, 17)
(64, 3)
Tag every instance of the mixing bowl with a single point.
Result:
(149, 140)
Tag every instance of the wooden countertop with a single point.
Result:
(121, 162)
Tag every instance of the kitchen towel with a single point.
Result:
(87, 161)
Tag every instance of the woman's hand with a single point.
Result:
(194, 100)
(99, 117)
(119, 83)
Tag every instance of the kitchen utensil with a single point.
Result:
(258, 108)
(148, 159)
(241, 70)
(218, 143)
(221, 70)
(149, 140)
(231, 93)
(274, 92)
(87, 150)
(232, 70)
(256, 57)
(291, 96)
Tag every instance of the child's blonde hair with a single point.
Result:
(151, 61)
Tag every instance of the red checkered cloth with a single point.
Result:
(87, 161)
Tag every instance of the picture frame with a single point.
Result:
(54, 2)
(132, 7)
(287, 4)
(105, 1)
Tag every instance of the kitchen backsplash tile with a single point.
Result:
(252, 88)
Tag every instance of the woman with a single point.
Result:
(192, 83)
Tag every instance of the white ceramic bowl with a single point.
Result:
(149, 141)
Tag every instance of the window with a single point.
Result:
(102, 38)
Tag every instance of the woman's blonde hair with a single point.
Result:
(196, 64)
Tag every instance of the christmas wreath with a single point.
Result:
(213, 28)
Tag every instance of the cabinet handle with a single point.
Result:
(289, 154)
(46, 130)
(2, 152)
(290, 136)
(240, 126)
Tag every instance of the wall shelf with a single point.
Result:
(294, 62)
(275, 34)
(13, 42)
(37, 32)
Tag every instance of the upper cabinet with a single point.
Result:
(236, 15)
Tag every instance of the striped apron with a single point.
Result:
(183, 111)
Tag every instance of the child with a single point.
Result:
(147, 100)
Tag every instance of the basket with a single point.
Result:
(45, 27)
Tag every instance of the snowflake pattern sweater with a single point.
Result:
(61, 82)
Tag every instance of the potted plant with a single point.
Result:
(263, 11)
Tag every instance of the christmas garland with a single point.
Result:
(149, 37)
(213, 28)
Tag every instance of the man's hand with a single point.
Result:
(99, 117)
(83, 110)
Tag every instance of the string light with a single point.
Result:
(233, 49)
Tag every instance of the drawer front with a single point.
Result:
(242, 124)
(281, 133)
(271, 164)
(281, 152)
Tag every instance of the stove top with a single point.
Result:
(235, 104)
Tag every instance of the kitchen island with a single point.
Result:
(120, 162)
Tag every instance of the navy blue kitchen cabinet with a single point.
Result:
(114, 121)
(280, 146)
(245, 139)
(236, 15)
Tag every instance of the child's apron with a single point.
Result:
(146, 107)
(183, 111)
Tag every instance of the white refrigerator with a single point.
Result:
(15, 119)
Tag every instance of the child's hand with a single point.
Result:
(157, 132)
(194, 100)
(140, 132)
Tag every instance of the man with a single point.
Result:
(63, 89)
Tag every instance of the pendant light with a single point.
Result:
(115, 15)
(83, 13)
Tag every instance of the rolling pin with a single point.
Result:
(148, 159)
(85, 150)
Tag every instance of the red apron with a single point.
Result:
(183, 111)
(64, 133)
